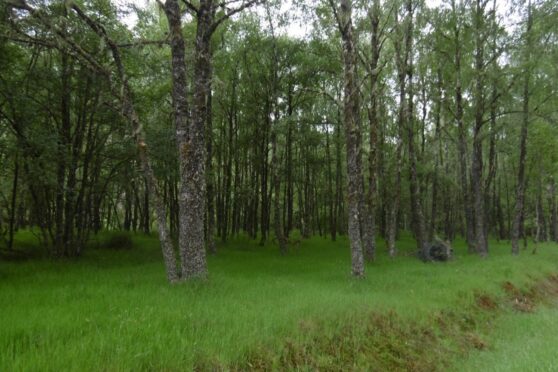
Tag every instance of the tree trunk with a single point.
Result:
(13, 203)
(352, 136)
(541, 235)
(477, 159)
(370, 242)
(338, 210)
(553, 211)
(401, 62)
(277, 221)
(438, 132)
(416, 205)
(521, 182)
(190, 138)
(462, 138)
(211, 247)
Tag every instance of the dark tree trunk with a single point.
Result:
(228, 202)
(490, 184)
(438, 131)
(477, 159)
(62, 151)
(394, 212)
(521, 182)
(416, 205)
(553, 227)
(211, 247)
(462, 138)
(330, 193)
(370, 242)
(264, 172)
(289, 170)
(146, 223)
(277, 221)
(541, 235)
(500, 214)
(13, 203)
(338, 210)
(275, 193)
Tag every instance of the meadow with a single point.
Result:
(113, 310)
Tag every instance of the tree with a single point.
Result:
(351, 122)
(520, 190)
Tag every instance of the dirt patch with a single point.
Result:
(474, 340)
(520, 300)
(486, 302)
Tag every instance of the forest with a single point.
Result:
(170, 158)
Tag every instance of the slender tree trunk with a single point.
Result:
(401, 61)
(229, 164)
(541, 235)
(146, 225)
(277, 221)
(416, 205)
(370, 242)
(63, 142)
(211, 247)
(477, 159)
(338, 212)
(13, 203)
(462, 138)
(438, 132)
(521, 182)
(264, 173)
(330, 193)
(275, 193)
(72, 245)
(553, 211)
(490, 184)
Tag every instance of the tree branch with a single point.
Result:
(140, 43)
(336, 15)
(193, 10)
(230, 12)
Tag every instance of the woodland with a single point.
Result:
(211, 144)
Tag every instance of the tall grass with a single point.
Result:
(113, 309)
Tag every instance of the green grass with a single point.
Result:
(113, 310)
(519, 343)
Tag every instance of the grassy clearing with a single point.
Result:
(113, 310)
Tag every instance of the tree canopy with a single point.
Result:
(203, 120)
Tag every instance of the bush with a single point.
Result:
(119, 240)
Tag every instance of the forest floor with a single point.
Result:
(113, 310)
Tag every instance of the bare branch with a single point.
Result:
(193, 10)
(230, 12)
(336, 15)
(141, 43)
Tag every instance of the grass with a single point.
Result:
(519, 343)
(113, 310)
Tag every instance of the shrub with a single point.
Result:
(119, 240)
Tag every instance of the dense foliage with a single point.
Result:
(213, 121)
